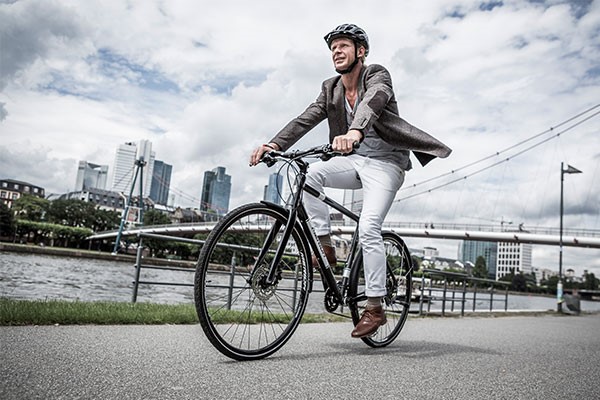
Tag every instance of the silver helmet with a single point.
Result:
(351, 31)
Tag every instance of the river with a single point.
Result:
(45, 277)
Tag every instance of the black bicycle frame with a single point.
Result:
(297, 212)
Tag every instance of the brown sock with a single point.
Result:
(373, 302)
(325, 240)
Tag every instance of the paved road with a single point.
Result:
(516, 357)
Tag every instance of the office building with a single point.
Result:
(216, 190)
(104, 199)
(125, 167)
(91, 176)
(11, 190)
(488, 250)
(514, 256)
(274, 190)
(161, 180)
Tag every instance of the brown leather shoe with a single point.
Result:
(370, 321)
(329, 253)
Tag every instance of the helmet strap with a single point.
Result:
(351, 66)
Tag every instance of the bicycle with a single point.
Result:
(254, 272)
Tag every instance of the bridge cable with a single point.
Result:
(551, 129)
(501, 161)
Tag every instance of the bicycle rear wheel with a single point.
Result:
(396, 303)
(243, 316)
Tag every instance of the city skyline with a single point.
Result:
(501, 258)
(483, 77)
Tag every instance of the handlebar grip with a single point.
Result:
(268, 159)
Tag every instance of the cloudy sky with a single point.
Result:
(513, 83)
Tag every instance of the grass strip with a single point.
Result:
(60, 312)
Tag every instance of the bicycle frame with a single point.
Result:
(297, 213)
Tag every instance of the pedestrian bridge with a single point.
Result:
(488, 233)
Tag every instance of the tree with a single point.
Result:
(480, 269)
(104, 220)
(157, 247)
(519, 283)
(7, 220)
(30, 208)
(52, 234)
(590, 282)
(155, 217)
(72, 212)
(551, 283)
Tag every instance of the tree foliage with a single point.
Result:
(79, 213)
(7, 220)
(52, 234)
(480, 270)
(590, 282)
(157, 247)
(30, 208)
(155, 217)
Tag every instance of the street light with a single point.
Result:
(559, 286)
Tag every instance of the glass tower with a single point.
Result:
(273, 191)
(161, 180)
(216, 190)
(91, 176)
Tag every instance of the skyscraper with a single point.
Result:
(488, 250)
(91, 176)
(125, 168)
(514, 256)
(161, 180)
(216, 190)
(273, 191)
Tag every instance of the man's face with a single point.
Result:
(342, 53)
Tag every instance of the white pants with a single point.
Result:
(380, 181)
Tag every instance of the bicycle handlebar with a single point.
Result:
(325, 152)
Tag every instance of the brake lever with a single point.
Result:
(268, 159)
(328, 152)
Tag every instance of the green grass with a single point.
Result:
(53, 312)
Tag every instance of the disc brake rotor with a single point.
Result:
(262, 290)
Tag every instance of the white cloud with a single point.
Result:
(206, 85)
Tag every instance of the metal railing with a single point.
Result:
(456, 291)
(227, 272)
(138, 262)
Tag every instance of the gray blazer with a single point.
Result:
(377, 108)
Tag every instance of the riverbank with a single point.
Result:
(91, 254)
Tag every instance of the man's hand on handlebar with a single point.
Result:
(260, 150)
(345, 143)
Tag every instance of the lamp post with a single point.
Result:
(559, 286)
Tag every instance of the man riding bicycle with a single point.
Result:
(360, 106)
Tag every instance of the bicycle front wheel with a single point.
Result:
(396, 303)
(243, 315)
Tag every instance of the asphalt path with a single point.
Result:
(516, 357)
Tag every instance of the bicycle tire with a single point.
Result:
(399, 291)
(242, 316)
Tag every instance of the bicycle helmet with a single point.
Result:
(358, 35)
